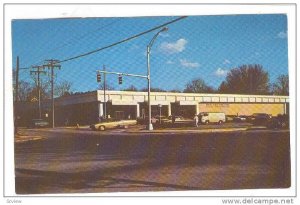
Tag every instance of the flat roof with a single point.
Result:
(133, 97)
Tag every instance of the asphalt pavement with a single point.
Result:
(67, 160)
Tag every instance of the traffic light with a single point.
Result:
(98, 77)
(120, 80)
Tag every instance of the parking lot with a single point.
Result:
(189, 124)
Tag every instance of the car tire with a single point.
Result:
(220, 122)
(206, 122)
(101, 128)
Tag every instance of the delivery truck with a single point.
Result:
(212, 117)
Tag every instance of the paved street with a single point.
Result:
(81, 161)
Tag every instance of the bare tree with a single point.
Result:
(107, 87)
(175, 91)
(223, 88)
(246, 79)
(131, 88)
(197, 86)
(281, 86)
(153, 90)
(25, 88)
(44, 89)
(63, 88)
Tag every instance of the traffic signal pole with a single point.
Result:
(120, 80)
(123, 74)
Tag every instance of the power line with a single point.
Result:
(122, 41)
(114, 44)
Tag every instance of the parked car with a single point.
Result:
(229, 118)
(260, 118)
(110, 124)
(177, 117)
(38, 123)
(154, 119)
(240, 118)
(144, 120)
(279, 122)
(162, 118)
(212, 117)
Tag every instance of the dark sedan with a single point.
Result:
(279, 122)
(260, 118)
(240, 118)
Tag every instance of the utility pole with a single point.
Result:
(17, 80)
(104, 87)
(51, 64)
(16, 96)
(40, 69)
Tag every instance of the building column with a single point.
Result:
(100, 110)
(286, 111)
(197, 108)
(169, 109)
(137, 110)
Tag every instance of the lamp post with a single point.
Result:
(150, 126)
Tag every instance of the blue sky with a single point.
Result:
(198, 46)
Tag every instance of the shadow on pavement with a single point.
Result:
(53, 181)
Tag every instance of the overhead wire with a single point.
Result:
(114, 44)
(122, 41)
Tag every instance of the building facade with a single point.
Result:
(89, 107)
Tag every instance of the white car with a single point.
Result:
(113, 124)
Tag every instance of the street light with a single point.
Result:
(150, 126)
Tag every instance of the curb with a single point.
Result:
(188, 131)
(21, 139)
